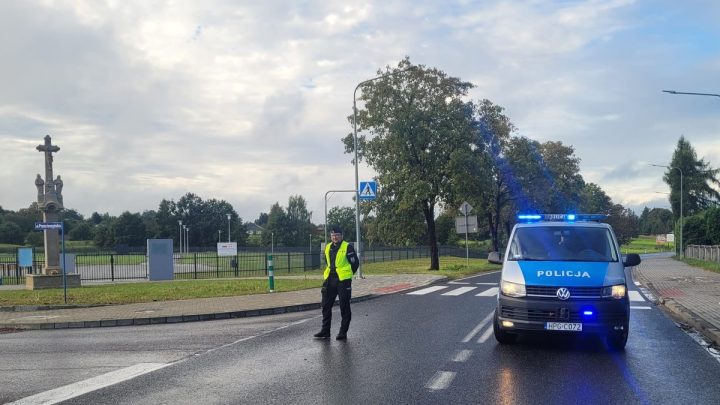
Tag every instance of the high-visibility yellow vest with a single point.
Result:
(342, 265)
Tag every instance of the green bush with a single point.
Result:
(712, 225)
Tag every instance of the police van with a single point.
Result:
(563, 273)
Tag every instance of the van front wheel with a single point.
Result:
(501, 336)
(617, 341)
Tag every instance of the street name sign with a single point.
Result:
(41, 226)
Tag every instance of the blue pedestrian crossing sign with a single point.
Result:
(368, 190)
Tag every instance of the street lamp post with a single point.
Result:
(187, 239)
(228, 217)
(682, 251)
(691, 94)
(185, 236)
(357, 180)
(219, 231)
(180, 249)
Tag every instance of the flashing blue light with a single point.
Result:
(588, 313)
(561, 217)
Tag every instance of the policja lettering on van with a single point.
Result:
(563, 273)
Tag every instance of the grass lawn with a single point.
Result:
(127, 293)
(712, 266)
(451, 267)
(646, 244)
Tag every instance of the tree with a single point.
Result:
(82, 231)
(656, 221)
(697, 178)
(694, 230)
(593, 200)
(624, 222)
(445, 225)
(538, 168)
(344, 217)
(11, 233)
(129, 229)
(491, 181)
(262, 219)
(103, 236)
(299, 222)
(417, 121)
(276, 226)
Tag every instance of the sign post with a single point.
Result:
(466, 224)
(42, 226)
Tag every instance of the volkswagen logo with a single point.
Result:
(563, 293)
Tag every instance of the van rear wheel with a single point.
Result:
(501, 336)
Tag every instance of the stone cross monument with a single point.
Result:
(50, 203)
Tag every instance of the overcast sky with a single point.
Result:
(247, 101)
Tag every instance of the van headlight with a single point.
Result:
(615, 291)
(512, 289)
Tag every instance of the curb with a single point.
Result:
(685, 316)
(174, 318)
(192, 318)
(28, 308)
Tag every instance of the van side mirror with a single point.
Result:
(494, 258)
(631, 260)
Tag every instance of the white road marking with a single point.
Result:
(485, 336)
(486, 283)
(462, 356)
(632, 307)
(478, 327)
(459, 291)
(478, 275)
(458, 282)
(636, 282)
(441, 380)
(490, 292)
(636, 296)
(91, 384)
(428, 290)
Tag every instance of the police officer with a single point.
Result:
(342, 263)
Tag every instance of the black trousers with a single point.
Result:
(333, 287)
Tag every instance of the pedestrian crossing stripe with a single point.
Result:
(459, 291)
(491, 292)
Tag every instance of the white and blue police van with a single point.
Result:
(563, 273)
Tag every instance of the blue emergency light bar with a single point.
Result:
(561, 217)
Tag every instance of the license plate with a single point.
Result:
(574, 327)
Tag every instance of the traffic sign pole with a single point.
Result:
(64, 269)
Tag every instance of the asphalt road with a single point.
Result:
(403, 348)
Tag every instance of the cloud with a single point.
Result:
(248, 101)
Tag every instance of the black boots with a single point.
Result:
(323, 334)
(341, 336)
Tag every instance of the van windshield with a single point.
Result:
(563, 243)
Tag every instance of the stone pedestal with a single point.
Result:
(42, 281)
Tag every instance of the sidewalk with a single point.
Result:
(689, 294)
(205, 308)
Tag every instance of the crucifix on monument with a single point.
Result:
(49, 200)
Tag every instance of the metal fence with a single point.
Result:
(204, 263)
(703, 252)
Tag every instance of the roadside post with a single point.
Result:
(271, 274)
(42, 226)
(466, 224)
